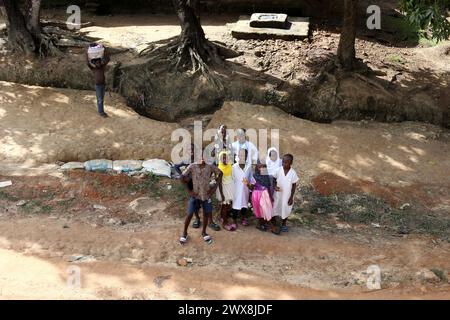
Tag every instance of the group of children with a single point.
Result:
(240, 178)
(238, 182)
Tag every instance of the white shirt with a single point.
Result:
(250, 147)
(281, 198)
(241, 192)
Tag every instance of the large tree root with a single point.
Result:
(176, 55)
(50, 41)
(47, 45)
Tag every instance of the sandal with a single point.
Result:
(207, 238)
(244, 222)
(214, 226)
(276, 232)
(197, 223)
(229, 227)
(261, 227)
(183, 240)
(284, 229)
(234, 226)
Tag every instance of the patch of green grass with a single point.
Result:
(150, 185)
(395, 58)
(66, 203)
(36, 206)
(436, 226)
(365, 209)
(178, 193)
(401, 29)
(440, 274)
(6, 196)
(273, 97)
(307, 220)
(404, 32)
(46, 209)
(426, 42)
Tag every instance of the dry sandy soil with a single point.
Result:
(67, 127)
(131, 252)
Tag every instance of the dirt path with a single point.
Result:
(133, 255)
(65, 127)
(68, 128)
(35, 253)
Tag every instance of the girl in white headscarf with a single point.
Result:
(273, 161)
(221, 142)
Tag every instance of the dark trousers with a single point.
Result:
(235, 213)
(100, 91)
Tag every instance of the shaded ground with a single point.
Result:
(402, 79)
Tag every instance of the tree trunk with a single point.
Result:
(3, 12)
(193, 42)
(19, 36)
(346, 51)
(34, 15)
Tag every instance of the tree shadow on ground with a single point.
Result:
(413, 94)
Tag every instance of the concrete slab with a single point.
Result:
(269, 20)
(298, 29)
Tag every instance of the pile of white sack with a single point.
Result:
(96, 52)
(157, 167)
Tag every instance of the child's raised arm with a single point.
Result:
(219, 176)
(89, 63)
(291, 198)
(178, 167)
(185, 179)
(106, 58)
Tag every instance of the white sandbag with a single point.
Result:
(4, 184)
(127, 165)
(96, 52)
(73, 166)
(158, 167)
(98, 165)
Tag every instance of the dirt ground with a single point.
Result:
(362, 183)
(131, 251)
(409, 78)
(65, 127)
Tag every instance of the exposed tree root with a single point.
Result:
(180, 56)
(49, 42)
(47, 45)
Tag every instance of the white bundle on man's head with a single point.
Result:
(96, 51)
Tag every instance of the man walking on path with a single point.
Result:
(98, 67)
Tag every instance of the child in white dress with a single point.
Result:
(242, 175)
(286, 183)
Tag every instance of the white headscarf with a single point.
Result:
(273, 166)
(219, 143)
(219, 136)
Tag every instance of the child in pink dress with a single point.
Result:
(262, 196)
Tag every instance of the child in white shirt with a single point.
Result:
(286, 183)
